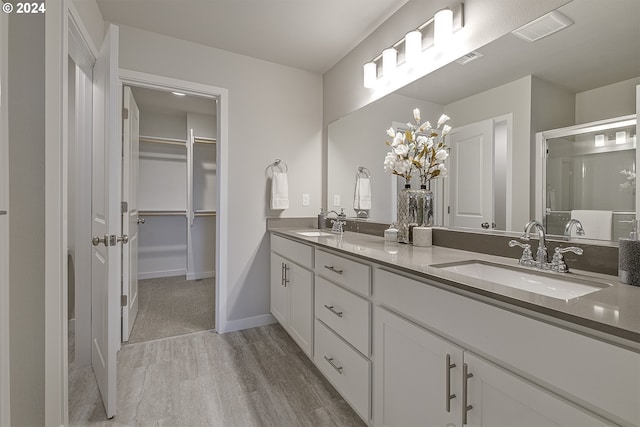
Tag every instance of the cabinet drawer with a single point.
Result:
(602, 377)
(351, 274)
(345, 368)
(344, 312)
(296, 252)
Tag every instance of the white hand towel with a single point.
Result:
(596, 224)
(279, 191)
(362, 194)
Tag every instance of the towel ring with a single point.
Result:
(363, 172)
(281, 165)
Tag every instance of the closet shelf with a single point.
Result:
(162, 140)
(204, 140)
(160, 212)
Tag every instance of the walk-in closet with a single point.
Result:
(176, 203)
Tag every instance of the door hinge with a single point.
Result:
(123, 300)
(125, 113)
(124, 207)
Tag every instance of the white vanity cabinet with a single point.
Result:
(539, 374)
(343, 327)
(292, 289)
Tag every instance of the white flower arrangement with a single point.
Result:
(630, 183)
(420, 148)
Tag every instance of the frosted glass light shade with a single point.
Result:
(599, 140)
(389, 61)
(621, 137)
(413, 45)
(443, 27)
(370, 74)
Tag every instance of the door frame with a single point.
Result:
(5, 403)
(153, 81)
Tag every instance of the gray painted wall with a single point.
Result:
(26, 227)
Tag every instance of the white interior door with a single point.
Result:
(105, 222)
(471, 176)
(130, 155)
(4, 224)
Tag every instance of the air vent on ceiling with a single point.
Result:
(471, 56)
(543, 26)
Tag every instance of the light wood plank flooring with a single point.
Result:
(256, 377)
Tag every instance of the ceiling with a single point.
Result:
(311, 35)
(600, 48)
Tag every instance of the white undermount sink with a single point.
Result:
(314, 233)
(554, 286)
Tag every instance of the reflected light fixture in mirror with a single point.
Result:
(370, 74)
(443, 28)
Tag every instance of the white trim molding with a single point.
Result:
(140, 79)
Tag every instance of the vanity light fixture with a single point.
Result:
(437, 31)
(389, 61)
(412, 45)
(599, 140)
(443, 28)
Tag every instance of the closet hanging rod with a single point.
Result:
(162, 213)
(204, 140)
(205, 213)
(160, 140)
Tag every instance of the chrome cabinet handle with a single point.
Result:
(449, 396)
(96, 240)
(332, 268)
(286, 279)
(465, 392)
(3, 212)
(336, 367)
(333, 310)
(282, 274)
(140, 220)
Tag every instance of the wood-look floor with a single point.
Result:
(256, 377)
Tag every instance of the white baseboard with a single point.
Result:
(201, 275)
(246, 323)
(165, 273)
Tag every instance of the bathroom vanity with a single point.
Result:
(408, 338)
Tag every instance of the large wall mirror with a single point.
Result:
(513, 89)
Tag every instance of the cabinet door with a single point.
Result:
(300, 288)
(410, 382)
(501, 399)
(279, 294)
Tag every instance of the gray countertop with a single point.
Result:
(613, 312)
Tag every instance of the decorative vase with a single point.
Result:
(407, 212)
(425, 207)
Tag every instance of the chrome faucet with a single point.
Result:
(337, 225)
(571, 223)
(541, 254)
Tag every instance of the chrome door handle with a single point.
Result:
(3, 212)
(336, 367)
(96, 240)
(465, 392)
(140, 221)
(333, 310)
(332, 268)
(449, 396)
(124, 239)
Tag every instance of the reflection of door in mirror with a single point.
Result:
(476, 187)
(591, 169)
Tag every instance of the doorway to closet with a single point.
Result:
(169, 187)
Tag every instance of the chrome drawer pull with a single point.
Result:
(331, 309)
(286, 276)
(336, 367)
(465, 392)
(449, 396)
(332, 268)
